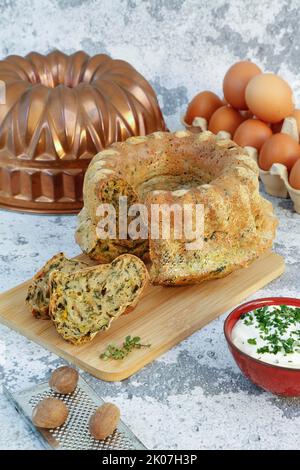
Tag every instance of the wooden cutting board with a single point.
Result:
(164, 317)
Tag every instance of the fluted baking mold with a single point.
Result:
(60, 110)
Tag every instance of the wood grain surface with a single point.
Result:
(164, 317)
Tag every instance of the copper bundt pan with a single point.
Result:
(58, 112)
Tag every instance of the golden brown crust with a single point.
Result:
(38, 294)
(181, 168)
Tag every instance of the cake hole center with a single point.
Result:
(54, 80)
(170, 183)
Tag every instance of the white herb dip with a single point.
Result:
(271, 334)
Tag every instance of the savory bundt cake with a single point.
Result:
(181, 168)
(59, 112)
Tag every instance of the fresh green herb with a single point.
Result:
(118, 353)
(263, 350)
(275, 328)
(252, 341)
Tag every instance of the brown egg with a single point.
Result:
(252, 133)
(235, 82)
(295, 175)
(225, 119)
(269, 97)
(296, 115)
(280, 148)
(202, 105)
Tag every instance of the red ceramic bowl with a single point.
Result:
(273, 378)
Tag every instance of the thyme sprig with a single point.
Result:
(119, 352)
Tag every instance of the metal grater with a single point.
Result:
(74, 433)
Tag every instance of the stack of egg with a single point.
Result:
(257, 112)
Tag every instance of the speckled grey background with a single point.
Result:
(194, 396)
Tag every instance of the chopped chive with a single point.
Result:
(252, 341)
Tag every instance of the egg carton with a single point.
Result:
(276, 180)
(199, 124)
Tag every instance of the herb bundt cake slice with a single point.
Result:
(38, 295)
(86, 302)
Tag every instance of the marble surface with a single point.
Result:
(194, 396)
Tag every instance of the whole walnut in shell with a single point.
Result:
(64, 380)
(104, 421)
(50, 413)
